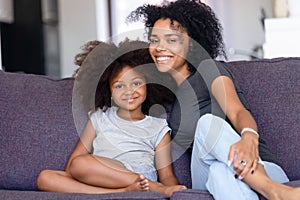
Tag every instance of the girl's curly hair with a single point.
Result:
(80, 57)
(86, 49)
(195, 17)
(101, 61)
(135, 54)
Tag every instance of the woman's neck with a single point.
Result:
(180, 76)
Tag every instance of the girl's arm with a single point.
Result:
(246, 149)
(163, 162)
(84, 144)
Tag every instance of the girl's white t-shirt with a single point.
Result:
(130, 142)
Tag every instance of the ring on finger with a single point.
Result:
(243, 162)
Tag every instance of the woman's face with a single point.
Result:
(169, 45)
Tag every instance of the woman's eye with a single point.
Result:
(172, 40)
(154, 41)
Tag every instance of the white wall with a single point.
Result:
(241, 23)
(120, 29)
(84, 20)
(77, 25)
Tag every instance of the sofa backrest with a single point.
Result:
(272, 90)
(37, 130)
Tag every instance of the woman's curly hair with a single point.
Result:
(195, 17)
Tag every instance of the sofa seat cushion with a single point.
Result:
(24, 195)
(192, 194)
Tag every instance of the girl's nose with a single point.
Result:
(129, 91)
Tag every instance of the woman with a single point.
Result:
(227, 155)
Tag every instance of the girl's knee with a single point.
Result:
(43, 177)
(77, 165)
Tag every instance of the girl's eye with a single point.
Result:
(118, 86)
(137, 83)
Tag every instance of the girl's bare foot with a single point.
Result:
(170, 189)
(140, 184)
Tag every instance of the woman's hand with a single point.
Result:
(243, 155)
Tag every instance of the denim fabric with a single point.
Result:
(209, 168)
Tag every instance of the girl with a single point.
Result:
(121, 148)
(184, 37)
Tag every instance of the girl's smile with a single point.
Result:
(128, 90)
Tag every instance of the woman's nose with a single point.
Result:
(161, 46)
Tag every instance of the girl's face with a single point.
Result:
(169, 45)
(128, 89)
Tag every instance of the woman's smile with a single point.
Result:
(168, 48)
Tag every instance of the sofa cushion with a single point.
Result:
(36, 127)
(274, 98)
(192, 194)
(205, 195)
(28, 195)
(181, 164)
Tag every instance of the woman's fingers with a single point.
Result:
(243, 163)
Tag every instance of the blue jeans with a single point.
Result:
(209, 168)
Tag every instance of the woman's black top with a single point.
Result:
(194, 99)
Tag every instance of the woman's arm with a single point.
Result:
(84, 144)
(163, 162)
(246, 149)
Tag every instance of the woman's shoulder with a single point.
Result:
(213, 68)
(207, 71)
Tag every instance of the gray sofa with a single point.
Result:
(37, 129)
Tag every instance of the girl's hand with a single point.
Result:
(243, 155)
